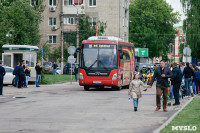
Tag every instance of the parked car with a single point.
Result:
(47, 67)
(65, 68)
(139, 66)
(9, 78)
(58, 70)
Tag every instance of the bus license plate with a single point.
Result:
(97, 82)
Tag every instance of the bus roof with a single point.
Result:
(106, 39)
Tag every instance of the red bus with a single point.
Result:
(106, 61)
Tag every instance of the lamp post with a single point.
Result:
(9, 35)
(77, 30)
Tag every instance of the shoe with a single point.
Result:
(176, 104)
(135, 109)
(158, 108)
(37, 86)
(165, 109)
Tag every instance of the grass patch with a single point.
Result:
(51, 79)
(189, 116)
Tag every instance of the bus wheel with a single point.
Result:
(86, 88)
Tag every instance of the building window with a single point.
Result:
(70, 20)
(92, 3)
(72, 2)
(52, 21)
(93, 21)
(68, 2)
(52, 39)
(34, 2)
(52, 2)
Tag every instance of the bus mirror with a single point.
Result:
(121, 55)
(120, 50)
(75, 55)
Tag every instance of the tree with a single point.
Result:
(191, 25)
(86, 29)
(24, 19)
(151, 26)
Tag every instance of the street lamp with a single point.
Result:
(9, 35)
(77, 30)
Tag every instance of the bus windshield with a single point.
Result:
(99, 56)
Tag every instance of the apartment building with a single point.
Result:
(115, 13)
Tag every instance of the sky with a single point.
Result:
(176, 5)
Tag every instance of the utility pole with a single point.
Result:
(61, 26)
(77, 35)
(77, 31)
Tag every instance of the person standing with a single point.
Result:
(16, 74)
(188, 73)
(27, 72)
(68, 67)
(20, 72)
(197, 80)
(176, 82)
(2, 74)
(76, 71)
(134, 90)
(38, 69)
(162, 74)
(54, 68)
(24, 75)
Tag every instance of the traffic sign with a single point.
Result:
(71, 50)
(187, 51)
(142, 52)
(71, 59)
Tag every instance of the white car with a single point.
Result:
(58, 70)
(9, 77)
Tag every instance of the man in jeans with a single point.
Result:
(54, 68)
(188, 73)
(176, 82)
(38, 69)
(162, 74)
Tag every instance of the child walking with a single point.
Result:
(134, 90)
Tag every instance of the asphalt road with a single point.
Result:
(65, 108)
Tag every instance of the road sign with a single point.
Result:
(71, 50)
(71, 59)
(142, 52)
(187, 51)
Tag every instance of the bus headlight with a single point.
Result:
(81, 76)
(114, 76)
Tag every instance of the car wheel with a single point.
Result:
(86, 88)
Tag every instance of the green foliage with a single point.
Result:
(20, 16)
(46, 52)
(151, 26)
(192, 26)
(86, 29)
(189, 116)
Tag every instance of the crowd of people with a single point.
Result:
(22, 75)
(168, 79)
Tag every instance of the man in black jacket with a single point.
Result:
(176, 82)
(38, 69)
(2, 74)
(188, 73)
(162, 74)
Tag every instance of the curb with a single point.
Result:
(172, 117)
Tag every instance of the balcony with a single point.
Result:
(70, 9)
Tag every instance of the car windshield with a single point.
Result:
(8, 70)
(99, 56)
(47, 63)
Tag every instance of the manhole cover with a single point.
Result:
(19, 97)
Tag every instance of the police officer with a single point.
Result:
(2, 73)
